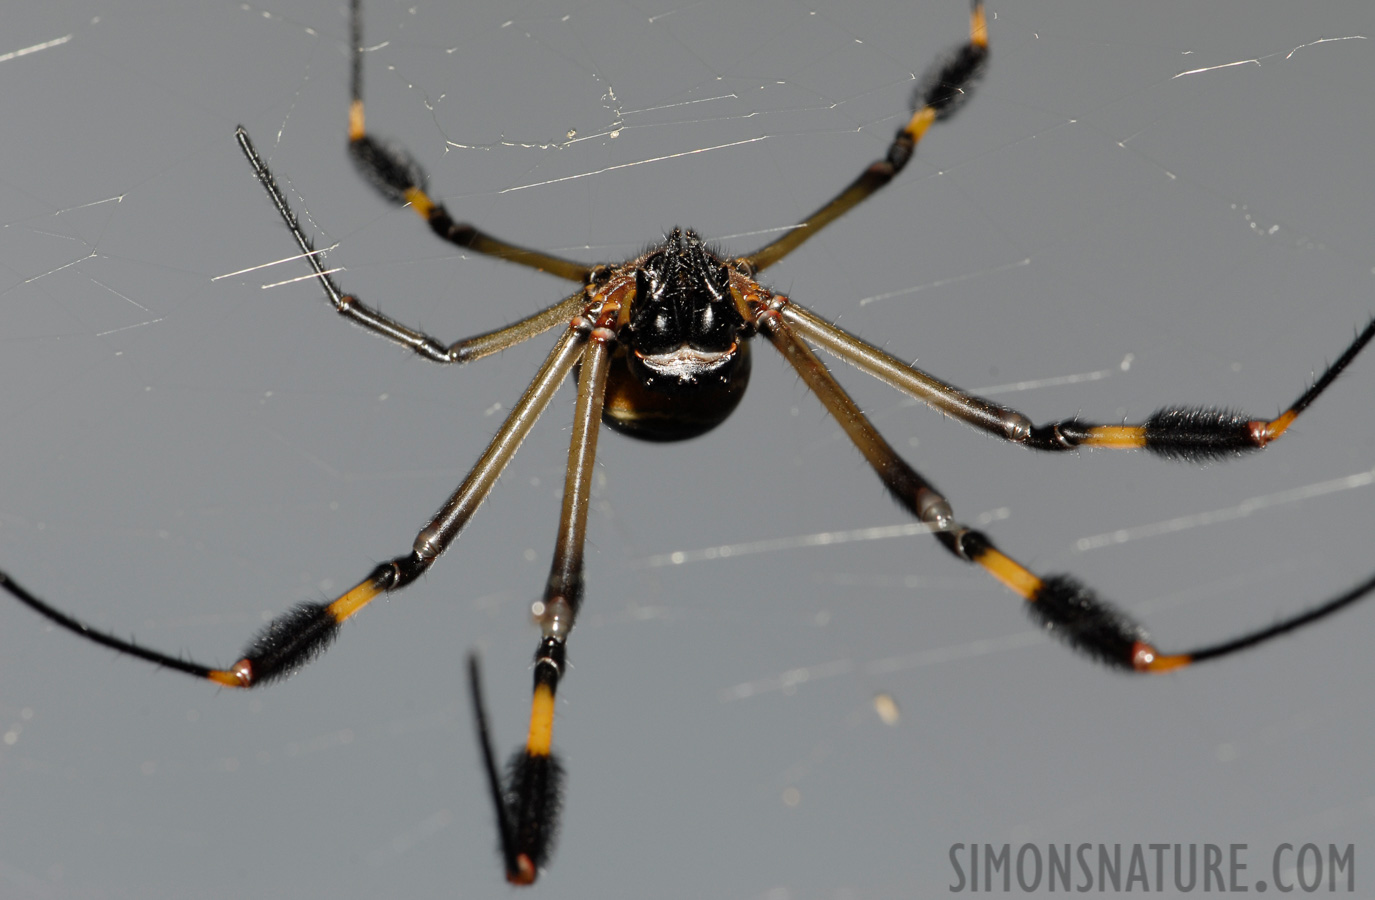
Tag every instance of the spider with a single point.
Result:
(660, 349)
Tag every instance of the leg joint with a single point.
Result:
(549, 661)
(399, 572)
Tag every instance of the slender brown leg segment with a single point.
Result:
(353, 309)
(986, 415)
(480, 345)
(563, 593)
(459, 508)
(528, 804)
(907, 486)
(947, 86)
(396, 175)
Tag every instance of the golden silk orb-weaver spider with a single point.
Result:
(661, 348)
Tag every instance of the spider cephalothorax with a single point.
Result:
(682, 361)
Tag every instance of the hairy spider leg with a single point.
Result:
(304, 632)
(529, 798)
(946, 87)
(1196, 434)
(396, 175)
(1058, 603)
(359, 313)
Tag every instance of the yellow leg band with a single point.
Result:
(353, 601)
(921, 120)
(541, 738)
(1156, 663)
(1020, 580)
(1119, 436)
(1279, 426)
(978, 27)
(419, 201)
(226, 678)
(356, 129)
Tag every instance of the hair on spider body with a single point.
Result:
(682, 324)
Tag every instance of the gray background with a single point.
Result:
(182, 457)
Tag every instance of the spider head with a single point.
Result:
(684, 328)
(685, 359)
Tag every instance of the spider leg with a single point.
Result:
(946, 87)
(304, 632)
(1190, 433)
(1059, 603)
(528, 799)
(489, 763)
(349, 306)
(396, 175)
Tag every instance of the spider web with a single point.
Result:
(1141, 206)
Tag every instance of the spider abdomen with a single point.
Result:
(673, 408)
